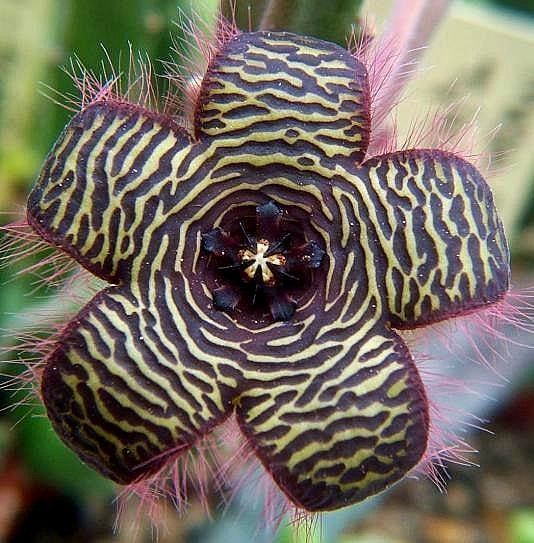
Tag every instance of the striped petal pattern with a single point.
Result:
(327, 394)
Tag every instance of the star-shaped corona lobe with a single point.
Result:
(188, 333)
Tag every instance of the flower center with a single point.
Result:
(260, 263)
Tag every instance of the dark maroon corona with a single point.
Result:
(260, 260)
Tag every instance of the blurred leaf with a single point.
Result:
(4, 440)
(522, 526)
(368, 538)
(23, 55)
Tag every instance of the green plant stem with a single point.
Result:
(246, 15)
(330, 20)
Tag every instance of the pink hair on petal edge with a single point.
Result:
(136, 84)
(445, 444)
(393, 59)
(222, 466)
(194, 54)
(251, 480)
(489, 332)
(48, 266)
(190, 475)
(396, 55)
(39, 326)
(481, 337)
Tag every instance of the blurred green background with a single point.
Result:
(46, 494)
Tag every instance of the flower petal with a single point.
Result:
(280, 87)
(110, 157)
(122, 395)
(444, 246)
(346, 432)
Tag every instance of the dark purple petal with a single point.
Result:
(118, 396)
(445, 251)
(351, 427)
(310, 95)
(85, 198)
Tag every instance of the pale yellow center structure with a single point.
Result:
(261, 261)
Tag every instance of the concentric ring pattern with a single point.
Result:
(330, 400)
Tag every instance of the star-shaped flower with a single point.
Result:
(259, 267)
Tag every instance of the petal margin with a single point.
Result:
(268, 87)
(118, 395)
(443, 241)
(93, 196)
(347, 432)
